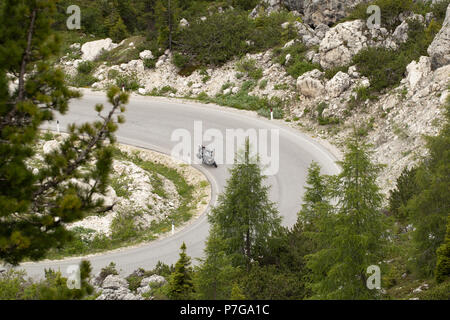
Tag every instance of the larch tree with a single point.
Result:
(36, 203)
(181, 286)
(215, 277)
(245, 217)
(352, 236)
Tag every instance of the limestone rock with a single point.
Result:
(146, 54)
(401, 32)
(322, 11)
(114, 282)
(309, 84)
(417, 71)
(439, 50)
(184, 23)
(338, 84)
(341, 43)
(91, 50)
(153, 280)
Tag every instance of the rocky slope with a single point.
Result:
(395, 122)
(152, 196)
(115, 287)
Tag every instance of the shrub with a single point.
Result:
(108, 270)
(362, 95)
(385, 68)
(166, 89)
(324, 120)
(438, 292)
(84, 77)
(181, 61)
(263, 84)
(298, 68)
(149, 63)
(330, 73)
(123, 227)
(82, 80)
(277, 113)
(129, 82)
(223, 36)
(439, 10)
(113, 74)
(215, 40)
(282, 86)
(134, 282)
(390, 10)
(248, 66)
(297, 64)
(86, 67)
(266, 31)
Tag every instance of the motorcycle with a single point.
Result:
(207, 156)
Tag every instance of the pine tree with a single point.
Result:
(443, 257)
(405, 189)
(214, 278)
(430, 207)
(315, 199)
(36, 203)
(351, 237)
(245, 217)
(181, 285)
(115, 25)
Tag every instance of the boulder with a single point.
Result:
(146, 54)
(310, 85)
(114, 282)
(400, 34)
(75, 46)
(321, 30)
(323, 11)
(109, 198)
(306, 33)
(288, 58)
(338, 84)
(143, 290)
(417, 71)
(289, 44)
(439, 50)
(135, 65)
(91, 50)
(341, 43)
(184, 23)
(50, 146)
(153, 281)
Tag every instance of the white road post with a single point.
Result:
(57, 126)
(271, 114)
(173, 229)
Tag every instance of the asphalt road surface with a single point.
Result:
(150, 123)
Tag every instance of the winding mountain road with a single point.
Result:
(150, 124)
